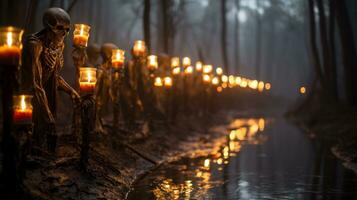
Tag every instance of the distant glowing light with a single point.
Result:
(302, 90)
(206, 163)
(267, 86)
(242, 16)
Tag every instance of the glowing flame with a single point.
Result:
(215, 81)
(176, 70)
(302, 90)
(267, 86)
(9, 38)
(189, 70)
(89, 76)
(207, 69)
(206, 163)
(186, 61)
(261, 124)
(175, 62)
(82, 30)
(198, 66)
(168, 81)
(23, 103)
(224, 79)
(158, 82)
(206, 78)
(219, 71)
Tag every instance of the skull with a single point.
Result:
(93, 52)
(58, 21)
(106, 50)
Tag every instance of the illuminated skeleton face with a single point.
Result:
(58, 21)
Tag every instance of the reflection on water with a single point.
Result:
(258, 160)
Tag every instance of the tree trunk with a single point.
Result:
(349, 55)
(165, 5)
(224, 36)
(333, 49)
(326, 52)
(146, 24)
(258, 35)
(236, 38)
(314, 49)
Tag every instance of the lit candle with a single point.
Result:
(176, 71)
(219, 89)
(244, 83)
(224, 79)
(206, 78)
(87, 79)
(118, 58)
(139, 48)
(81, 35)
(22, 109)
(10, 45)
(215, 81)
(260, 86)
(302, 90)
(219, 71)
(231, 81)
(152, 63)
(167, 81)
(175, 62)
(189, 70)
(199, 66)
(238, 80)
(267, 86)
(186, 61)
(253, 84)
(158, 82)
(207, 69)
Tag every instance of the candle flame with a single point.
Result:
(89, 77)
(9, 38)
(168, 81)
(82, 30)
(23, 103)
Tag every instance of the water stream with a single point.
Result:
(259, 159)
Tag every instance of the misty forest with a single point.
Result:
(178, 99)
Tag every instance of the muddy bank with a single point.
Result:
(334, 123)
(117, 159)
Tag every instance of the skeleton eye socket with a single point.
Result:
(62, 28)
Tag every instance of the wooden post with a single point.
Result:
(88, 113)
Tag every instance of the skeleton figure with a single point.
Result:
(103, 90)
(42, 61)
(93, 53)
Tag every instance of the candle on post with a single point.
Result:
(206, 78)
(10, 45)
(215, 81)
(188, 70)
(167, 82)
(87, 79)
(81, 35)
(186, 61)
(152, 64)
(139, 48)
(118, 58)
(199, 66)
(158, 82)
(22, 109)
(219, 71)
(267, 86)
(10, 54)
(207, 69)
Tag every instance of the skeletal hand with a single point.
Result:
(76, 99)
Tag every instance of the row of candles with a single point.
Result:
(10, 53)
